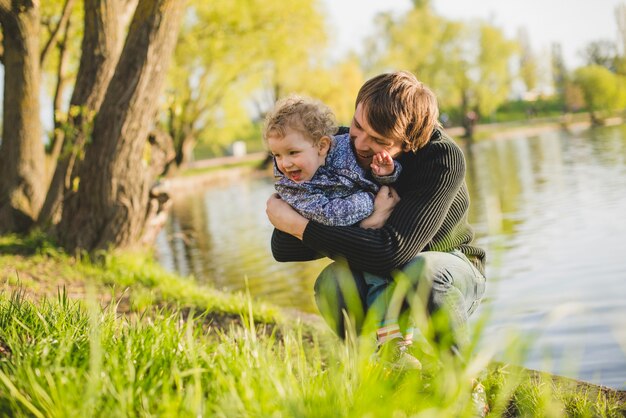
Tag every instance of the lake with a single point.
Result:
(550, 210)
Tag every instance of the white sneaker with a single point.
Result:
(395, 355)
(479, 399)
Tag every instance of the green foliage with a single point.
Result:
(602, 53)
(227, 52)
(518, 110)
(36, 243)
(336, 85)
(419, 41)
(494, 82)
(50, 16)
(529, 66)
(602, 90)
(466, 64)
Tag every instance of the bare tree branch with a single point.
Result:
(5, 6)
(65, 15)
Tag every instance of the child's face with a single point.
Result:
(296, 156)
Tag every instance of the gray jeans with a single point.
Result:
(433, 282)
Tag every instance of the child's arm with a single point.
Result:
(321, 205)
(340, 211)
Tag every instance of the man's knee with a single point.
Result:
(327, 280)
(340, 292)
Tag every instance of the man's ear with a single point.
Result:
(323, 145)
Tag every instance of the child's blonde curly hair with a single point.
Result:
(310, 117)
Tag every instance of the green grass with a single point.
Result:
(61, 357)
(64, 358)
(36, 262)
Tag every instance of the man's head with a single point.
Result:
(298, 133)
(395, 112)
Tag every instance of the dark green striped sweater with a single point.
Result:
(431, 216)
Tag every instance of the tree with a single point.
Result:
(602, 53)
(419, 41)
(59, 40)
(559, 71)
(101, 46)
(337, 86)
(111, 203)
(602, 90)
(528, 61)
(620, 20)
(465, 64)
(494, 81)
(228, 49)
(22, 172)
(295, 47)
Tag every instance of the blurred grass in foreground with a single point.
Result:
(61, 357)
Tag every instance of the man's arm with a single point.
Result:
(386, 199)
(286, 247)
(284, 217)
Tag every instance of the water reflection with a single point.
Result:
(549, 209)
(221, 236)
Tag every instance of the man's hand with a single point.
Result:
(386, 199)
(284, 217)
(382, 164)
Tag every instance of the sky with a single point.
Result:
(572, 23)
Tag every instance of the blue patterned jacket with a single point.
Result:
(340, 193)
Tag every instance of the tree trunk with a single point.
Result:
(186, 151)
(110, 207)
(159, 203)
(22, 155)
(595, 119)
(101, 47)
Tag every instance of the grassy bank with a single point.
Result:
(119, 340)
(132, 281)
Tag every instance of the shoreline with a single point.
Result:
(221, 169)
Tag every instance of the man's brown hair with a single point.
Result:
(398, 106)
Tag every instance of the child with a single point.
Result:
(318, 174)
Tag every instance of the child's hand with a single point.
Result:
(382, 164)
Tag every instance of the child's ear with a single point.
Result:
(324, 145)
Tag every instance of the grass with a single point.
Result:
(65, 357)
(133, 280)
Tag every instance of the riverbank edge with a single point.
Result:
(220, 170)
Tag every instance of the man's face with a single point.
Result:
(367, 142)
